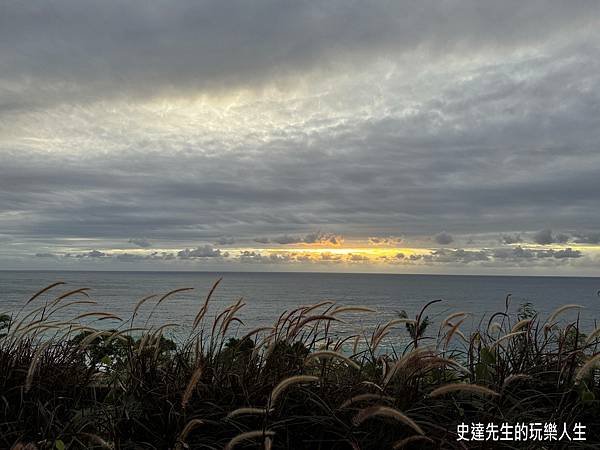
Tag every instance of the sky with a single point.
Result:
(454, 136)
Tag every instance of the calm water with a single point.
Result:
(267, 295)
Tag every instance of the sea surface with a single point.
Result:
(268, 295)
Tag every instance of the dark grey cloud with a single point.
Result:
(311, 238)
(438, 258)
(385, 240)
(587, 238)
(526, 253)
(323, 238)
(140, 242)
(144, 257)
(357, 257)
(225, 240)
(494, 257)
(513, 253)
(567, 253)
(206, 251)
(370, 120)
(559, 254)
(443, 238)
(299, 186)
(45, 255)
(286, 239)
(132, 257)
(78, 49)
(545, 237)
(247, 256)
(459, 255)
(92, 254)
(511, 239)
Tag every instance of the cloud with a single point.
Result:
(267, 119)
(311, 238)
(323, 238)
(546, 237)
(498, 257)
(122, 257)
(511, 239)
(206, 251)
(140, 242)
(385, 240)
(248, 256)
(441, 258)
(328, 256)
(519, 252)
(45, 255)
(95, 254)
(49, 189)
(276, 258)
(560, 254)
(587, 238)
(209, 46)
(225, 240)
(543, 237)
(286, 239)
(459, 255)
(130, 257)
(443, 238)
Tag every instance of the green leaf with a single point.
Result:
(59, 445)
(482, 371)
(487, 356)
(586, 395)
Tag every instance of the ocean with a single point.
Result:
(267, 295)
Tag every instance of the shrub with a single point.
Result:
(296, 384)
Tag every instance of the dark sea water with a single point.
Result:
(267, 295)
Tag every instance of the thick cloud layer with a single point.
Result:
(170, 129)
(57, 51)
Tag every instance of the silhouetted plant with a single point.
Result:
(293, 385)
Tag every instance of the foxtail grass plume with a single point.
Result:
(250, 435)
(463, 387)
(559, 311)
(385, 411)
(281, 387)
(330, 354)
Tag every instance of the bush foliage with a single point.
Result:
(294, 385)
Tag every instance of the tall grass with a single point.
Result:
(296, 384)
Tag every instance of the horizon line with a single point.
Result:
(300, 273)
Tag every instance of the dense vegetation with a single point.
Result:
(293, 385)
